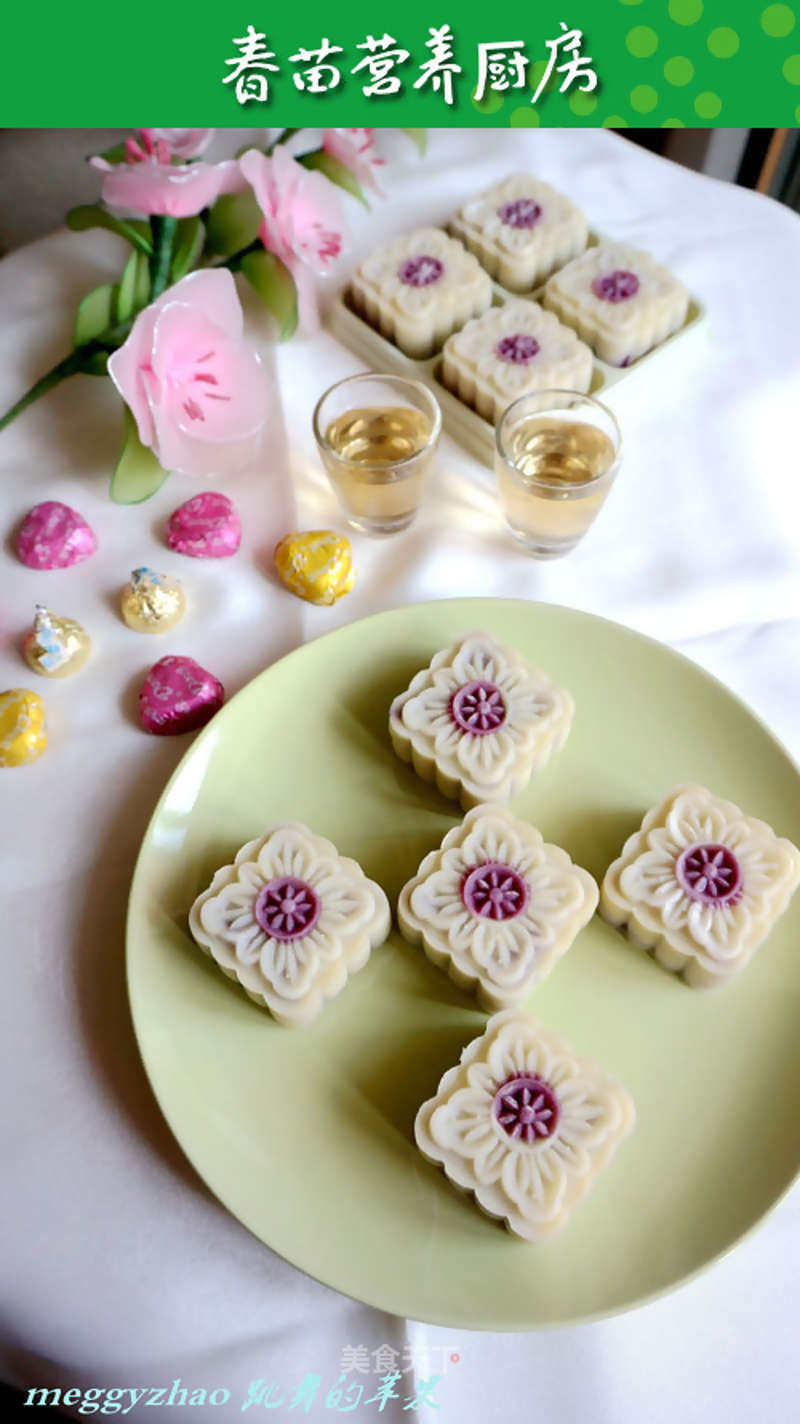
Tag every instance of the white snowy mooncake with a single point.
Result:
(420, 288)
(524, 1125)
(290, 920)
(700, 884)
(479, 720)
(495, 906)
(521, 230)
(512, 351)
(619, 300)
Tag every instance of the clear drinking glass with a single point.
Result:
(376, 437)
(556, 456)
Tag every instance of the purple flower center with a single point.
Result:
(478, 707)
(616, 286)
(421, 271)
(523, 212)
(494, 891)
(287, 908)
(710, 874)
(519, 348)
(526, 1108)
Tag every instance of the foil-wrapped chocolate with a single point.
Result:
(22, 731)
(316, 565)
(55, 647)
(151, 602)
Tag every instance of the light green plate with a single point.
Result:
(306, 1134)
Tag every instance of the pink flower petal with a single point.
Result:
(357, 150)
(185, 143)
(302, 215)
(198, 392)
(155, 188)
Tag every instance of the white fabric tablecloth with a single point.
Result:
(117, 1266)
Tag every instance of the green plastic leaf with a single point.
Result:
(134, 287)
(93, 215)
(233, 223)
(275, 285)
(116, 154)
(189, 239)
(336, 171)
(95, 364)
(95, 314)
(419, 137)
(138, 474)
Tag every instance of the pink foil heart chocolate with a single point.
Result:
(53, 536)
(205, 527)
(178, 695)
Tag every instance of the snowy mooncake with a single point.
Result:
(479, 720)
(495, 906)
(700, 884)
(524, 1125)
(512, 351)
(290, 920)
(420, 288)
(619, 300)
(521, 230)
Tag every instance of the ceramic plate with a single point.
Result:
(306, 1135)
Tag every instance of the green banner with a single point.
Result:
(556, 63)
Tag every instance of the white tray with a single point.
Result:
(460, 420)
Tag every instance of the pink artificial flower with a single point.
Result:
(183, 143)
(197, 390)
(357, 150)
(303, 222)
(148, 183)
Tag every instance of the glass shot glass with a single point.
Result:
(556, 456)
(376, 437)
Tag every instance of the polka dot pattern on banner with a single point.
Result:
(582, 104)
(524, 118)
(723, 42)
(712, 46)
(685, 12)
(679, 71)
(707, 105)
(641, 42)
(778, 21)
(644, 98)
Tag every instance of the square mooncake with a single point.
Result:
(290, 920)
(420, 288)
(479, 720)
(521, 230)
(513, 350)
(495, 906)
(700, 885)
(619, 300)
(524, 1125)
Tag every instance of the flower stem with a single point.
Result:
(282, 138)
(68, 367)
(164, 228)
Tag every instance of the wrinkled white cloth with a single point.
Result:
(117, 1268)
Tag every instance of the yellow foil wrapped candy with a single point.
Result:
(151, 602)
(55, 647)
(22, 734)
(316, 565)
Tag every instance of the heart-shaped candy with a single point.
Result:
(316, 565)
(205, 527)
(178, 695)
(53, 536)
(22, 734)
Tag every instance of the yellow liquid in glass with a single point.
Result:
(371, 484)
(550, 496)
